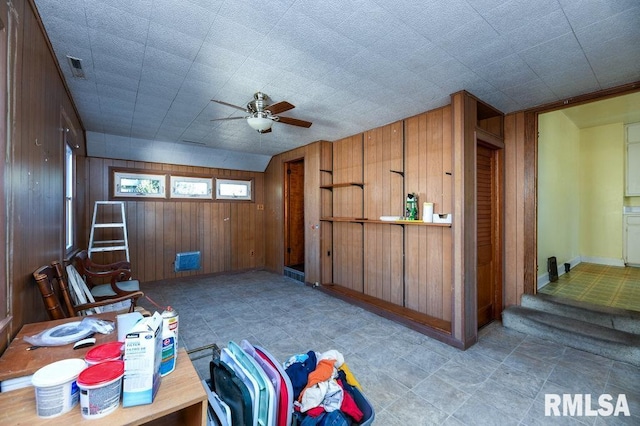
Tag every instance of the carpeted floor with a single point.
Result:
(409, 378)
(600, 284)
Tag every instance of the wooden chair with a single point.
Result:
(47, 276)
(105, 281)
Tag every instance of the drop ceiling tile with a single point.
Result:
(582, 13)
(109, 20)
(219, 58)
(539, 31)
(113, 46)
(59, 30)
(233, 36)
(173, 42)
(261, 16)
(117, 81)
(162, 61)
(555, 55)
(507, 72)
(368, 25)
(432, 18)
(624, 24)
(514, 14)
(185, 17)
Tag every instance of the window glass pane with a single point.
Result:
(189, 187)
(229, 189)
(138, 185)
(68, 193)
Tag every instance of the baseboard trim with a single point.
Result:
(543, 279)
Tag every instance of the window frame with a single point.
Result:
(248, 183)
(118, 174)
(173, 179)
(70, 196)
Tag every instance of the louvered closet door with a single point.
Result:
(486, 285)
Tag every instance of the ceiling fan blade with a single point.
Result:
(279, 107)
(229, 118)
(294, 122)
(229, 105)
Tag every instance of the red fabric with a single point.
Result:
(349, 406)
(283, 406)
(315, 411)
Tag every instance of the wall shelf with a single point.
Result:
(343, 185)
(384, 222)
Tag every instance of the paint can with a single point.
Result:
(111, 351)
(56, 388)
(100, 386)
(169, 341)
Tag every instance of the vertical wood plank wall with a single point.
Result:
(348, 202)
(514, 254)
(33, 179)
(383, 196)
(229, 235)
(404, 265)
(428, 255)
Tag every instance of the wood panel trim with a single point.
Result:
(490, 138)
(530, 202)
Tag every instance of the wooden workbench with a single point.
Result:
(181, 398)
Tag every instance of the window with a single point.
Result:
(69, 195)
(233, 189)
(131, 184)
(191, 187)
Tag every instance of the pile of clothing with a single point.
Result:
(324, 389)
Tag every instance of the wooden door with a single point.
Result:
(488, 287)
(294, 213)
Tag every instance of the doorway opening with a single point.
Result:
(294, 219)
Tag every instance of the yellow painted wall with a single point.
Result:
(601, 191)
(558, 189)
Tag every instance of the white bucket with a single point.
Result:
(56, 388)
(100, 388)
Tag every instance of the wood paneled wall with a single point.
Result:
(383, 193)
(229, 235)
(428, 250)
(514, 254)
(348, 201)
(38, 109)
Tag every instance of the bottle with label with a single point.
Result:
(411, 207)
(169, 341)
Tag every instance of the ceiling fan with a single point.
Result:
(261, 115)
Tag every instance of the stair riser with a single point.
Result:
(573, 338)
(620, 322)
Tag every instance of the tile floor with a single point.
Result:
(410, 379)
(615, 286)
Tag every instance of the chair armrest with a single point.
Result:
(130, 296)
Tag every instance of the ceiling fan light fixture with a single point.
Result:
(260, 124)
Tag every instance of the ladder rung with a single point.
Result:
(101, 249)
(109, 225)
(110, 242)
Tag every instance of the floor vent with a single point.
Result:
(293, 273)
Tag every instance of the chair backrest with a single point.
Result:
(80, 293)
(46, 277)
(94, 274)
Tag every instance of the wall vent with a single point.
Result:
(76, 66)
(187, 261)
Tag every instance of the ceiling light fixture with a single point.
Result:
(260, 122)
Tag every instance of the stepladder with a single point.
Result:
(109, 229)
